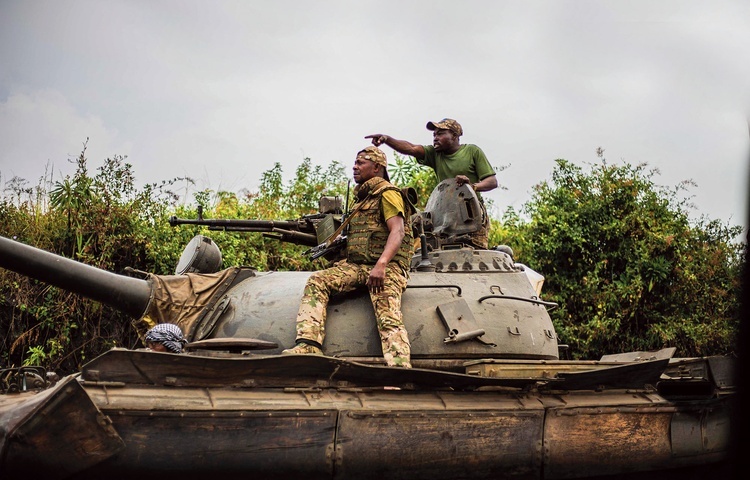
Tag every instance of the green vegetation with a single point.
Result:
(620, 255)
(105, 221)
(628, 268)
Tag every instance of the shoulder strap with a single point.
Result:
(348, 219)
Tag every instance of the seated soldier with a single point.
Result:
(378, 250)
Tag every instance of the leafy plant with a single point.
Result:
(627, 266)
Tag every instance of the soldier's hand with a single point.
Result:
(376, 279)
(461, 179)
(378, 139)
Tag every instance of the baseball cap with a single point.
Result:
(446, 124)
(374, 154)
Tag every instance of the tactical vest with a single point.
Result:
(368, 232)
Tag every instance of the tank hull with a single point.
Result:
(158, 414)
(334, 434)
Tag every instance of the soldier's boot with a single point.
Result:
(400, 361)
(396, 349)
(304, 347)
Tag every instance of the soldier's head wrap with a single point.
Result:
(374, 154)
(446, 124)
(169, 335)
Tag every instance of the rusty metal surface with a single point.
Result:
(198, 444)
(590, 439)
(53, 434)
(324, 433)
(636, 375)
(723, 371)
(231, 344)
(384, 432)
(700, 431)
(639, 356)
(115, 400)
(146, 367)
(378, 433)
(602, 441)
(569, 375)
(428, 445)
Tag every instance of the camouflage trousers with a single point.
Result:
(480, 238)
(346, 277)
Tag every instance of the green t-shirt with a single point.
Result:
(468, 160)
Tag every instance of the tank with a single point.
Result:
(488, 397)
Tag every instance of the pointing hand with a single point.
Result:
(378, 139)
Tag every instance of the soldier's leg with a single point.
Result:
(311, 317)
(387, 304)
(481, 237)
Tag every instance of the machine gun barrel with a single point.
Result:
(289, 236)
(303, 231)
(127, 294)
(238, 225)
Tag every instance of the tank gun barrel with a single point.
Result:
(127, 294)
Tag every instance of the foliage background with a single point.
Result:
(628, 267)
(103, 220)
(621, 256)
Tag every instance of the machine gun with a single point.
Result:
(452, 213)
(309, 230)
(325, 248)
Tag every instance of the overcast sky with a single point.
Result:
(221, 90)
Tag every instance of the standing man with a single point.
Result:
(379, 250)
(466, 163)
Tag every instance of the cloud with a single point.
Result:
(42, 127)
(221, 91)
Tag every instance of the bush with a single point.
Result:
(628, 268)
(105, 221)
